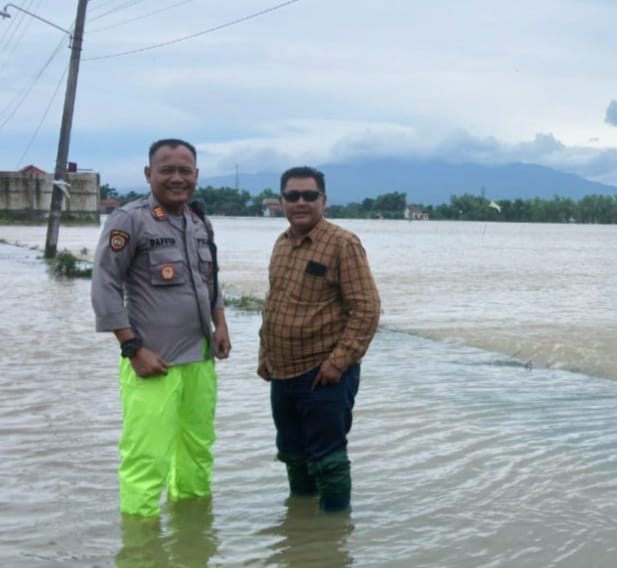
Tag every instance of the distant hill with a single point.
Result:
(431, 182)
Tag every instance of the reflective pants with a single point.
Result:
(167, 435)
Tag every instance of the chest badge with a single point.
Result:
(118, 240)
(168, 272)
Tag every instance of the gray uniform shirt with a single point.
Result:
(153, 273)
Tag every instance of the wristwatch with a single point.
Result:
(130, 347)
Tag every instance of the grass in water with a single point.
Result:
(66, 265)
(245, 303)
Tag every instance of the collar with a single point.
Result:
(159, 213)
(312, 235)
(157, 210)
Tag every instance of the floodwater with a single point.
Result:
(485, 431)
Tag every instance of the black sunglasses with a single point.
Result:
(307, 195)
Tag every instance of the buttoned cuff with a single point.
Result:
(111, 322)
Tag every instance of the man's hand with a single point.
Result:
(263, 371)
(222, 344)
(328, 374)
(146, 364)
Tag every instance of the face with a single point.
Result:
(303, 215)
(172, 175)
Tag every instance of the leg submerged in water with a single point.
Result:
(191, 467)
(333, 476)
(301, 482)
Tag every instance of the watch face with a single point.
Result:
(130, 348)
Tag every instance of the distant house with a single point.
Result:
(271, 207)
(414, 213)
(32, 170)
(107, 206)
(25, 195)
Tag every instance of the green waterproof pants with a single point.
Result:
(167, 435)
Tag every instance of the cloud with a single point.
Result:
(270, 92)
(281, 144)
(611, 113)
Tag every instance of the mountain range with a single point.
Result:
(430, 182)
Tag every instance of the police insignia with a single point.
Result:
(118, 240)
(168, 272)
(158, 212)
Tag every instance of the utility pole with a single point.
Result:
(60, 177)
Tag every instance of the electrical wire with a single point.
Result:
(13, 28)
(36, 131)
(144, 16)
(19, 99)
(28, 21)
(210, 30)
(127, 4)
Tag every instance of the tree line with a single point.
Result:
(600, 209)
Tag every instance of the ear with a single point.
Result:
(147, 173)
(196, 175)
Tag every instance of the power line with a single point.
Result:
(19, 99)
(127, 4)
(210, 30)
(36, 131)
(144, 16)
(13, 29)
(23, 32)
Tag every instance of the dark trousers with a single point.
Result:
(313, 423)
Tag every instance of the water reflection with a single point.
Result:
(142, 545)
(189, 541)
(307, 537)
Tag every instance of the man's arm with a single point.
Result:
(263, 369)
(222, 343)
(112, 259)
(115, 251)
(145, 363)
(361, 300)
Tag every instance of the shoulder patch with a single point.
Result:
(118, 240)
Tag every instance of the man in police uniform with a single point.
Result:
(153, 284)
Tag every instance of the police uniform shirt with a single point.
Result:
(153, 273)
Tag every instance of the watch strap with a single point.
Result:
(130, 347)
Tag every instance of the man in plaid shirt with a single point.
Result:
(320, 315)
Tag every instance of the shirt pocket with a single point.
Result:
(314, 288)
(205, 262)
(167, 267)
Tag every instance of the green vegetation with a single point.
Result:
(590, 209)
(245, 303)
(69, 218)
(219, 200)
(386, 206)
(230, 201)
(600, 209)
(66, 265)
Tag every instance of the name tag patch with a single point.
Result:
(162, 242)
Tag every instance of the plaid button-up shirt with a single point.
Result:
(322, 303)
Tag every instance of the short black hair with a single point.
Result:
(304, 172)
(173, 143)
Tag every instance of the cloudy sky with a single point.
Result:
(315, 81)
